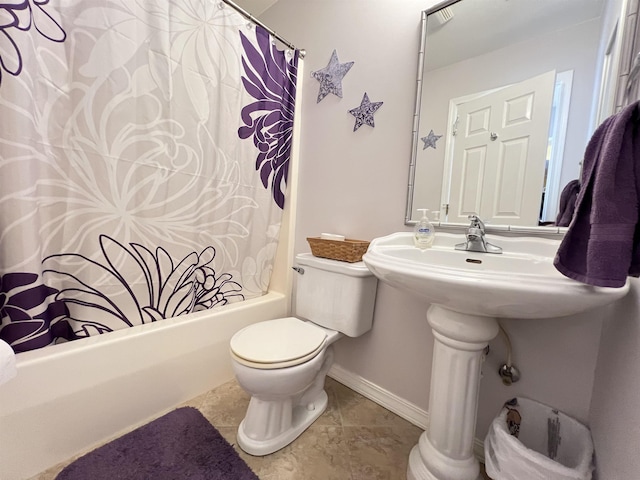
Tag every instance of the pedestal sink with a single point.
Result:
(467, 292)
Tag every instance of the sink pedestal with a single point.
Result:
(445, 449)
(520, 283)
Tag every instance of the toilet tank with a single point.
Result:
(335, 295)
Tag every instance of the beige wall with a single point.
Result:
(615, 410)
(355, 184)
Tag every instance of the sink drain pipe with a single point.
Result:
(507, 371)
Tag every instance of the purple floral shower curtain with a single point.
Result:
(144, 150)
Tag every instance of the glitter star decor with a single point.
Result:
(430, 140)
(364, 113)
(330, 77)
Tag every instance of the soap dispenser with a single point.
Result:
(424, 232)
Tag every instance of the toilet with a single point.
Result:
(283, 363)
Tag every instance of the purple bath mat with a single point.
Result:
(181, 445)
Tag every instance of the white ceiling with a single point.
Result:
(255, 7)
(486, 25)
(489, 24)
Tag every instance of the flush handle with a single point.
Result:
(300, 270)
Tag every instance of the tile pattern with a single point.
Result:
(354, 439)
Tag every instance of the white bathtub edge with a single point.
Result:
(76, 396)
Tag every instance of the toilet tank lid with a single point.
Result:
(279, 340)
(355, 269)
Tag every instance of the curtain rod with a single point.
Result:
(253, 19)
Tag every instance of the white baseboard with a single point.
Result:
(407, 410)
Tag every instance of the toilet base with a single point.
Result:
(302, 417)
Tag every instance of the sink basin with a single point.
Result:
(519, 283)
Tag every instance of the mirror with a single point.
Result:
(507, 91)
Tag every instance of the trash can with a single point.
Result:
(531, 441)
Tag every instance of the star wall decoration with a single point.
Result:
(330, 77)
(364, 113)
(430, 140)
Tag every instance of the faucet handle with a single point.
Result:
(476, 222)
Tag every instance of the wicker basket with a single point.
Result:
(347, 250)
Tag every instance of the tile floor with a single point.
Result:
(354, 439)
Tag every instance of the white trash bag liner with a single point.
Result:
(531, 441)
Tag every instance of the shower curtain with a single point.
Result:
(144, 151)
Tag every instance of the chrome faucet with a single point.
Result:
(475, 238)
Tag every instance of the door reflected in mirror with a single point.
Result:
(510, 88)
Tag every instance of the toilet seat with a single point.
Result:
(280, 343)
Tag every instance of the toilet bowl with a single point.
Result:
(287, 398)
(283, 363)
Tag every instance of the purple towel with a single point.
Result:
(601, 246)
(568, 199)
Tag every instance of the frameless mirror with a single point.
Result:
(507, 91)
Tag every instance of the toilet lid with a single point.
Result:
(277, 341)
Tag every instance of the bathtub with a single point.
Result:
(69, 397)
